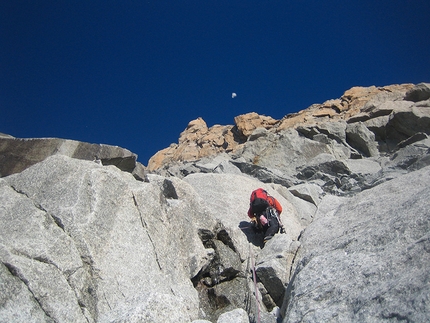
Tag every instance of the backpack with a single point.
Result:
(258, 201)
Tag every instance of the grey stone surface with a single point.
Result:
(36, 252)
(366, 258)
(287, 150)
(227, 196)
(227, 167)
(235, 316)
(18, 154)
(362, 139)
(82, 242)
(377, 126)
(303, 210)
(17, 303)
(309, 192)
(99, 238)
(263, 174)
(257, 133)
(363, 166)
(420, 92)
(274, 263)
(406, 123)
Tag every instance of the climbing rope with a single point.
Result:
(251, 254)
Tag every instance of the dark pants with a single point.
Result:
(272, 227)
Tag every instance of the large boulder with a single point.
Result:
(419, 92)
(284, 151)
(195, 142)
(274, 263)
(247, 123)
(81, 242)
(362, 139)
(407, 122)
(366, 258)
(17, 154)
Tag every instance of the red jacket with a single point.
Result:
(270, 199)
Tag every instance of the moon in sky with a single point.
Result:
(233, 95)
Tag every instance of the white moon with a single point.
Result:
(233, 95)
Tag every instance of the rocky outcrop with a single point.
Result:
(84, 241)
(18, 154)
(198, 141)
(365, 258)
(371, 136)
(117, 249)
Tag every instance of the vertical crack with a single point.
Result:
(293, 261)
(145, 227)
(107, 301)
(14, 271)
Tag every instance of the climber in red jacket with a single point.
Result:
(264, 211)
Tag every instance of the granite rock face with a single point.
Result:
(86, 235)
(83, 243)
(364, 258)
(17, 154)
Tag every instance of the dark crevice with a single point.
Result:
(56, 219)
(223, 236)
(212, 297)
(14, 271)
(58, 222)
(42, 258)
(293, 262)
(89, 300)
(145, 227)
(169, 190)
(397, 316)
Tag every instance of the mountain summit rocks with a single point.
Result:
(87, 234)
(199, 141)
(374, 132)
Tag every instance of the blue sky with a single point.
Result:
(134, 73)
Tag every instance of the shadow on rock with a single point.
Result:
(253, 236)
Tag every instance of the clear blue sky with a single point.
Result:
(134, 73)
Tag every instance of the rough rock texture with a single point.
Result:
(87, 243)
(359, 148)
(235, 316)
(18, 154)
(83, 241)
(198, 141)
(366, 258)
(195, 142)
(227, 197)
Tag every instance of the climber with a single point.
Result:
(264, 211)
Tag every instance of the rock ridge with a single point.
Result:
(17, 154)
(373, 131)
(198, 141)
(85, 239)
